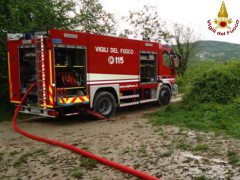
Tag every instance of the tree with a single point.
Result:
(147, 25)
(184, 41)
(19, 16)
(93, 17)
(144, 24)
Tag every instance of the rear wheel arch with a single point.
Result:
(107, 89)
(112, 88)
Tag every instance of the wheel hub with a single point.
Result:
(105, 106)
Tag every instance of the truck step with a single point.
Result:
(148, 100)
(129, 104)
(129, 96)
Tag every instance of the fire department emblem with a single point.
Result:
(110, 60)
(223, 21)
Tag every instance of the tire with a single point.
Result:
(164, 95)
(104, 104)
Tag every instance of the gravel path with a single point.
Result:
(127, 138)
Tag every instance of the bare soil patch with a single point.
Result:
(127, 138)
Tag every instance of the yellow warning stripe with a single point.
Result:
(50, 94)
(50, 65)
(60, 66)
(9, 72)
(86, 98)
(79, 66)
(9, 76)
(10, 87)
(70, 100)
(71, 88)
(15, 101)
(49, 106)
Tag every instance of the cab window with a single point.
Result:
(167, 60)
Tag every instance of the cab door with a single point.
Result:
(167, 70)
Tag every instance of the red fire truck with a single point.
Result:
(75, 70)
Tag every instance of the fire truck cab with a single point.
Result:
(75, 70)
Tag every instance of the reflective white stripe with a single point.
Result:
(107, 82)
(43, 72)
(102, 77)
(167, 79)
(130, 96)
(148, 100)
(129, 104)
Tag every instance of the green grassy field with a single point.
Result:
(211, 101)
(221, 119)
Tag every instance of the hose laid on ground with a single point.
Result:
(75, 149)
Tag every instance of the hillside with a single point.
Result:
(217, 51)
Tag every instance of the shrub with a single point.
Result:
(221, 84)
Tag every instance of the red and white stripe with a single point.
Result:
(95, 78)
(129, 104)
(43, 73)
(148, 100)
(130, 96)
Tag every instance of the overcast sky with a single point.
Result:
(194, 13)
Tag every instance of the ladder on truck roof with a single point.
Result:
(40, 71)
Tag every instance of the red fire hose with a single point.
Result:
(73, 148)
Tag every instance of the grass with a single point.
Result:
(182, 145)
(142, 149)
(76, 173)
(201, 178)
(233, 158)
(136, 165)
(166, 154)
(40, 152)
(88, 163)
(23, 159)
(211, 102)
(221, 119)
(127, 150)
(201, 147)
(1, 156)
(14, 153)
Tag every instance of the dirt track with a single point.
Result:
(127, 138)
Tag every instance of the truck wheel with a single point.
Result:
(164, 95)
(105, 104)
